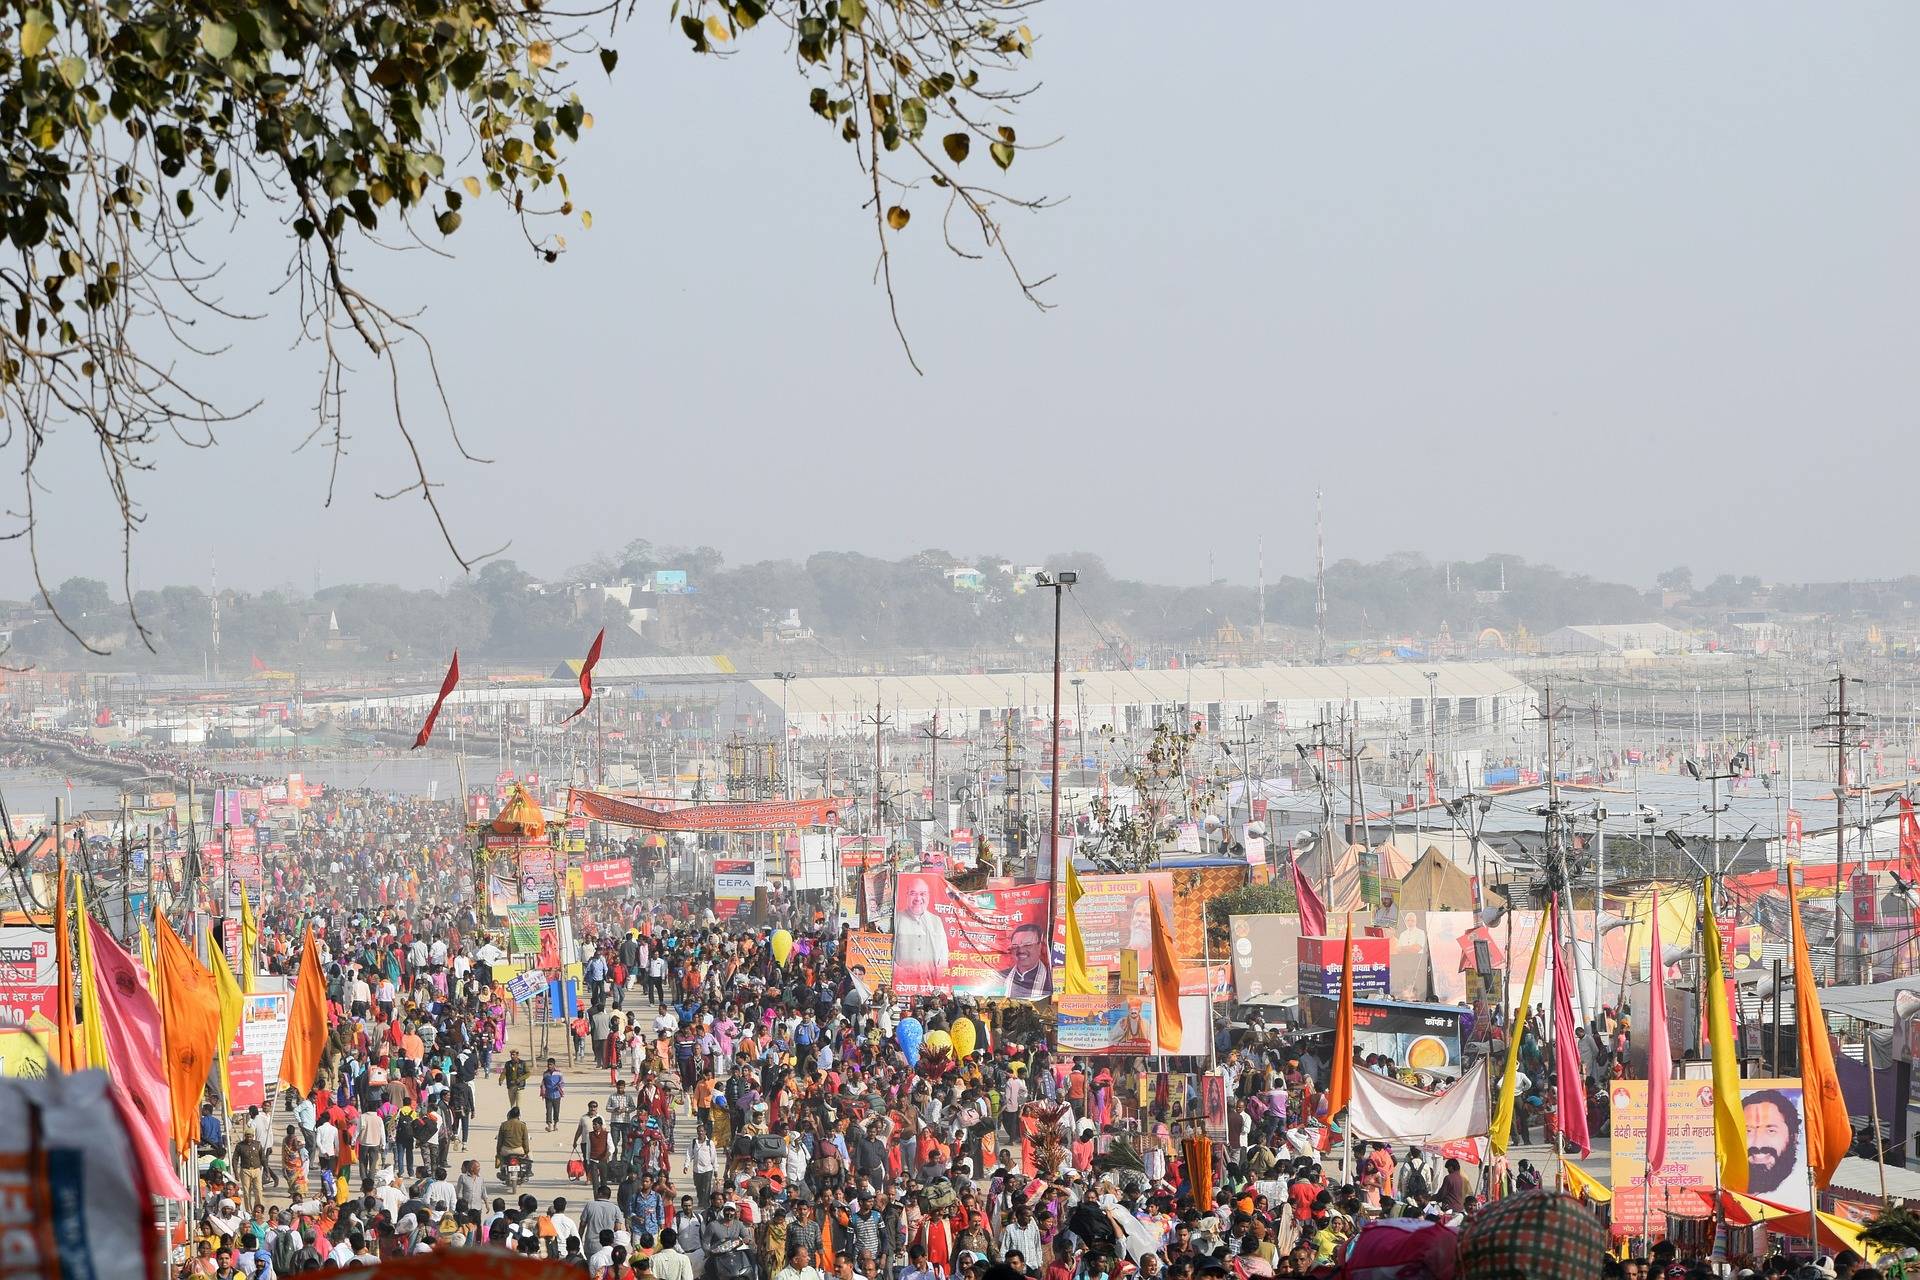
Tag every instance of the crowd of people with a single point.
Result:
(737, 1105)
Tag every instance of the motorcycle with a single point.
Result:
(514, 1170)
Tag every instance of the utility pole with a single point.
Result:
(1246, 775)
(934, 737)
(879, 721)
(1840, 723)
(1314, 753)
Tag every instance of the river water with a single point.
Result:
(33, 789)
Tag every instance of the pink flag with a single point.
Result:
(130, 1023)
(1313, 912)
(1659, 1052)
(1566, 1048)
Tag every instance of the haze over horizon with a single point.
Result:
(1584, 287)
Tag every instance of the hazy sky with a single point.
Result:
(1614, 288)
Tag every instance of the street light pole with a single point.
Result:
(1059, 582)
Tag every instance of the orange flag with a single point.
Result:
(307, 1027)
(67, 1051)
(1340, 1091)
(1829, 1131)
(191, 1019)
(1166, 982)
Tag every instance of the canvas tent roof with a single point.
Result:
(1435, 884)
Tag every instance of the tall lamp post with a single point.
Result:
(1059, 582)
(786, 737)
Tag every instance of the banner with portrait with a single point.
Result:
(1114, 917)
(990, 944)
(873, 951)
(1776, 1149)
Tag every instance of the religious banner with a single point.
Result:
(1776, 1150)
(1114, 918)
(1100, 1024)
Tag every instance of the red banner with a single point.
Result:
(761, 815)
(248, 1073)
(614, 873)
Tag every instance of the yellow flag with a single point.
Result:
(1502, 1127)
(249, 942)
(1729, 1116)
(229, 992)
(1078, 981)
(92, 1034)
(147, 961)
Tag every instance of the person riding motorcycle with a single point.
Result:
(511, 1141)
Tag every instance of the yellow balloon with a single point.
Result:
(938, 1040)
(782, 946)
(962, 1036)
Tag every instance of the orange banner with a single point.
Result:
(758, 815)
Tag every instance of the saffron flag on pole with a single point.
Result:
(586, 672)
(1501, 1130)
(1167, 1025)
(1659, 1050)
(92, 1038)
(1340, 1091)
(1567, 1070)
(130, 1021)
(446, 688)
(1313, 912)
(1729, 1117)
(307, 1027)
(1078, 981)
(66, 1049)
(191, 1029)
(1829, 1131)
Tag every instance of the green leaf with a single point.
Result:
(184, 199)
(218, 39)
(696, 31)
(1002, 154)
(609, 57)
(448, 222)
(853, 12)
(73, 70)
(957, 146)
(36, 33)
(914, 112)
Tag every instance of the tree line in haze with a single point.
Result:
(834, 602)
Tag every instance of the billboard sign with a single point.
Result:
(988, 944)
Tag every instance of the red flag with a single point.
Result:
(257, 664)
(1659, 1051)
(1566, 1049)
(130, 1024)
(1313, 912)
(446, 687)
(1909, 838)
(586, 672)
